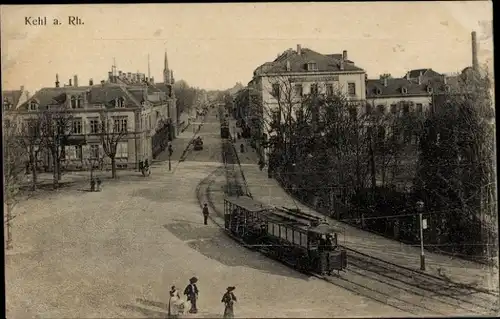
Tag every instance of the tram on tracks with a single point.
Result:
(224, 128)
(301, 240)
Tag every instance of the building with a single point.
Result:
(138, 111)
(416, 91)
(13, 98)
(298, 73)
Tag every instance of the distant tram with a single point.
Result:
(301, 240)
(224, 128)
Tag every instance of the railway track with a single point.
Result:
(399, 287)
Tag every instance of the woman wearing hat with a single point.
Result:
(229, 299)
(174, 303)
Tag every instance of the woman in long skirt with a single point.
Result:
(229, 299)
(174, 303)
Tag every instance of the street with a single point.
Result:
(116, 253)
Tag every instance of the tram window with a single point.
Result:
(270, 228)
(283, 232)
(303, 239)
(296, 237)
(289, 234)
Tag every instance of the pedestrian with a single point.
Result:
(229, 299)
(205, 214)
(99, 182)
(191, 292)
(174, 303)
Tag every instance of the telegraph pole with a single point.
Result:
(420, 208)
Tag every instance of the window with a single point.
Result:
(404, 90)
(33, 106)
(122, 150)
(368, 108)
(329, 89)
(73, 152)
(120, 124)
(77, 126)
(73, 102)
(119, 102)
(94, 126)
(79, 103)
(282, 232)
(353, 113)
(312, 66)
(289, 234)
(299, 91)
(32, 128)
(276, 91)
(314, 89)
(406, 108)
(381, 108)
(351, 89)
(420, 108)
(303, 240)
(296, 237)
(94, 151)
(394, 108)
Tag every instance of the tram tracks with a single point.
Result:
(401, 288)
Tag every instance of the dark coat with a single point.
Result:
(191, 291)
(205, 210)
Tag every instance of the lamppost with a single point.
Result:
(170, 151)
(420, 209)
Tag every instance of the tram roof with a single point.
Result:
(247, 203)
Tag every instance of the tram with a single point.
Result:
(303, 241)
(224, 128)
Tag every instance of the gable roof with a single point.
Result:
(377, 89)
(298, 63)
(96, 94)
(413, 74)
(12, 96)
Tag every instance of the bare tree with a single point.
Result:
(14, 156)
(30, 140)
(112, 132)
(55, 127)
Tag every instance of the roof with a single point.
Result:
(248, 203)
(413, 74)
(394, 87)
(96, 94)
(298, 63)
(12, 97)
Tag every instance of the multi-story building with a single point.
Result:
(139, 112)
(294, 74)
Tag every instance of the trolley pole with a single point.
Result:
(420, 208)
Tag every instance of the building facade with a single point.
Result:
(295, 74)
(135, 115)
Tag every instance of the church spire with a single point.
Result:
(166, 72)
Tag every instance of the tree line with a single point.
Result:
(368, 168)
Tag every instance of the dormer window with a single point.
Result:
(119, 102)
(312, 66)
(73, 102)
(378, 91)
(404, 90)
(429, 89)
(33, 106)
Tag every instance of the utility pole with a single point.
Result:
(420, 208)
(170, 151)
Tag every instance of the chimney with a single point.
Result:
(288, 66)
(408, 76)
(57, 80)
(420, 78)
(120, 74)
(341, 66)
(445, 81)
(299, 49)
(69, 82)
(385, 81)
(344, 55)
(110, 77)
(22, 88)
(102, 82)
(475, 63)
(75, 80)
(91, 82)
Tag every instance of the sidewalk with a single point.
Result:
(270, 192)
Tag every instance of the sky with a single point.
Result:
(213, 46)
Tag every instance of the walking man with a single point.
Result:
(205, 214)
(191, 292)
